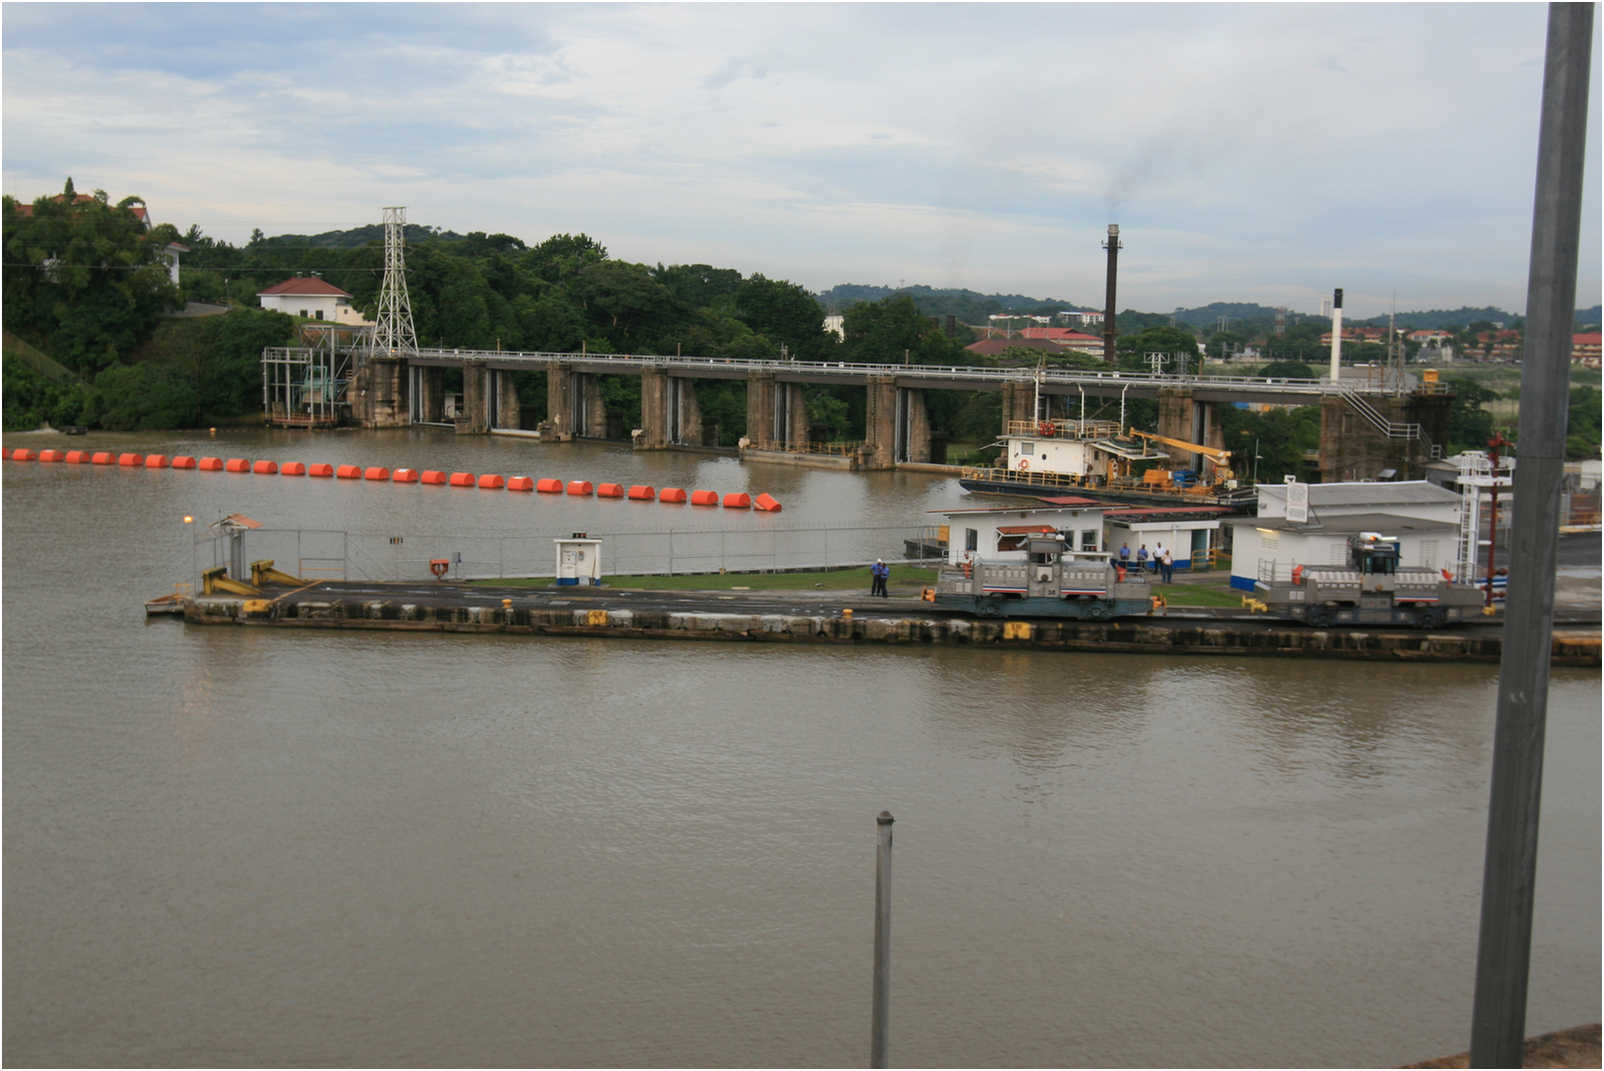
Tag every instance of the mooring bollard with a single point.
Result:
(882, 942)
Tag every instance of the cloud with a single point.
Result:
(1247, 151)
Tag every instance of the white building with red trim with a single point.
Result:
(312, 298)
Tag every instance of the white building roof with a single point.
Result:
(1408, 492)
(1348, 524)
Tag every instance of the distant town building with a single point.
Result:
(310, 297)
(1584, 349)
(836, 325)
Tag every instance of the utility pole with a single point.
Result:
(1503, 955)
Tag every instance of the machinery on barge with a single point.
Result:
(1374, 588)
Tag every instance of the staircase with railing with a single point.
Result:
(1409, 431)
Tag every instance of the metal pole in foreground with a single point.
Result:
(1503, 956)
(882, 942)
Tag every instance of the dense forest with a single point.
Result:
(91, 337)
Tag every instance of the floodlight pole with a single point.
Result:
(1503, 956)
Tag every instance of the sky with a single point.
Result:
(1256, 152)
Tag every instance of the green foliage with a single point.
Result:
(1131, 350)
(1288, 370)
(1582, 433)
(142, 396)
(1469, 425)
(32, 398)
(894, 331)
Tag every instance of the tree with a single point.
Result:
(892, 331)
(1131, 350)
(784, 312)
(1469, 425)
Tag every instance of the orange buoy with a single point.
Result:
(180, 461)
(520, 483)
(461, 479)
(767, 503)
(265, 468)
(348, 472)
(77, 457)
(641, 493)
(155, 461)
(704, 498)
(208, 464)
(737, 500)
(609, 490)
(237, 464)
(376, 472)
(49, 455)
(405, 476)
(491, 481)
(580, 487)
(102, 457)
(292, 468)
(322, 469)
(21, 454)
(433, 477)
(548, 486)
(131, 461)
(671, 494)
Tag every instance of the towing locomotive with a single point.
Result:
(1044, 585)
(1372, 589)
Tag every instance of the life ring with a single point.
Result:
(439, 566)
(1024, 464)
(1045, 428)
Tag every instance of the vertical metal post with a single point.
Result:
(1503, 956)
(882, 942)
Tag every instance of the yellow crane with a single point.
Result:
(1220, 459)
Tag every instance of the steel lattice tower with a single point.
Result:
(393, 334)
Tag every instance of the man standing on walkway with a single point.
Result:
(1158, 554)
(1167, 563)
(879, 572)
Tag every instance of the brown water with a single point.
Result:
(230, 847)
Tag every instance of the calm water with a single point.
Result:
(229, 847)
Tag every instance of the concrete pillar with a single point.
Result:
(1019, 403)
(656, 409)
(880, 424)
(558, 425)
(760, 408)
(915, 426)
(431, 395)
(796, 414)
(1353, 448)
(1177, 419)
(595, 411)
(475, 418)
(378, 394)
(689, 419)
(507, 411)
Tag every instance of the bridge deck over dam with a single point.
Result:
(1368, 423)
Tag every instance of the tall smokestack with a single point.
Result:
(1336, 333)
(1113, 247)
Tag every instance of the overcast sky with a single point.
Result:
(1252, 152)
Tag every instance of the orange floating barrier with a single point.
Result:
(767, 503)
(609, 490)
(131, 461)
(180, 461)
(208, 464)
(155, 461)
(322, 470)
(461, 479)
(101, 457)
(520, 483)
(704, 498)
(580, 487)
(237, 464)
(292, 468)
(405, 476)
(376, 472)
(77, 457)
(671, 494)
(490, 481)
(641, 493)
(265, 468)
(49, 455)
(433, 477)
(348, 472)
(549, 486)
(21, 454)
(737, 500)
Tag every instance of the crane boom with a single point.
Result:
(1222, 458)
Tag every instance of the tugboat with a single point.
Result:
(1096, 459)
